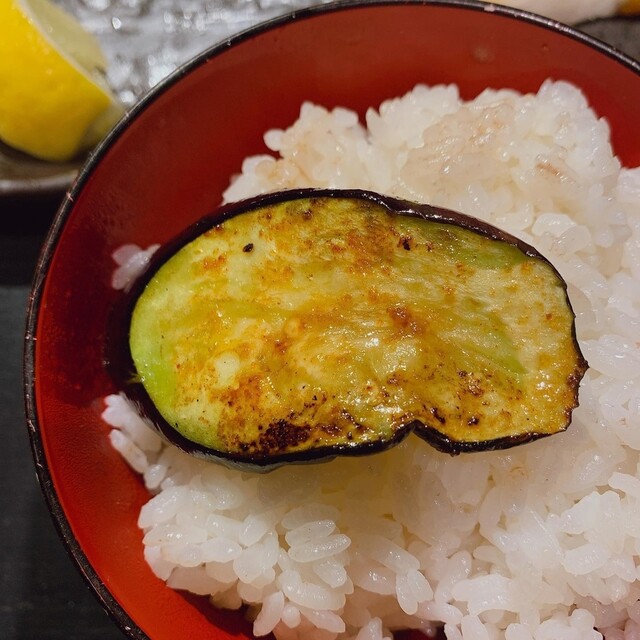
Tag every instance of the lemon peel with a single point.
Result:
(54, 101)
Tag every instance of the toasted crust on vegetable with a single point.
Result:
(308, 324)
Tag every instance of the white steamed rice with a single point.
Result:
(541, 542)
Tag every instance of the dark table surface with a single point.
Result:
(42, 595)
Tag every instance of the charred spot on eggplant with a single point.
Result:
(307, 324)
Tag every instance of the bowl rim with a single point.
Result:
(104, 596)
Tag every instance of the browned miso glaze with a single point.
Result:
(302, 325)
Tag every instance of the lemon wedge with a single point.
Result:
(54, 101)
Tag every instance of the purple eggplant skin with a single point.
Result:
(446, 402)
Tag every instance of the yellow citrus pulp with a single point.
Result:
(54, 101)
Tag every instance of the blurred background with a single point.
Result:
(42, 594)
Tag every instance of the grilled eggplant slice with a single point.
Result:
(308, 324)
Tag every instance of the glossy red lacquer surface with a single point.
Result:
(169, 165)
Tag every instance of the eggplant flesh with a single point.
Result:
(303, 325)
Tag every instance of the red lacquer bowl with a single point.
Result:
(166, 165)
